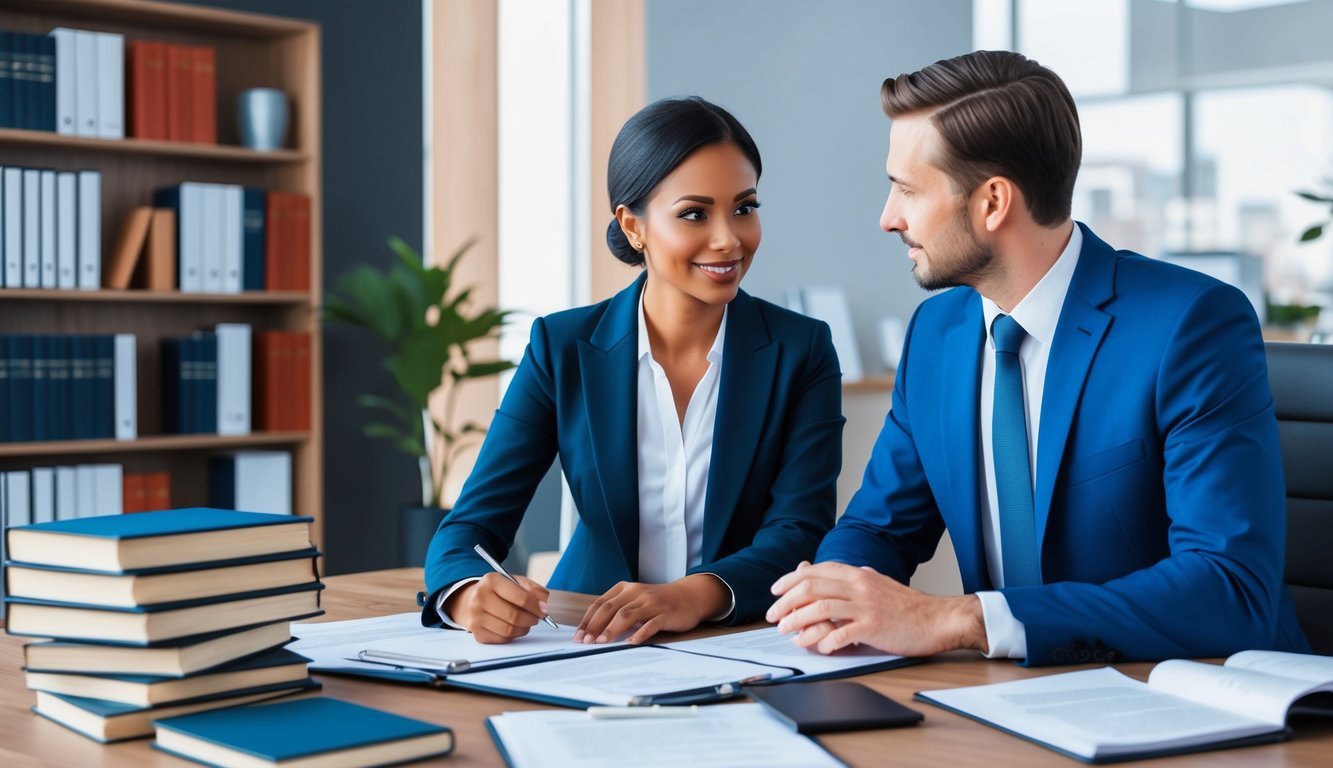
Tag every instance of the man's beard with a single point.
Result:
(965, 259)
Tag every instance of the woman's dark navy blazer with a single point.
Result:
(777, 450)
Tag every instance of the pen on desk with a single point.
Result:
(626, 713)
(706, 693)
(500, 569)
(452, 666)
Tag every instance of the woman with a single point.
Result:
(699, 429)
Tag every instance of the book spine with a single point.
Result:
(19, 70)
(179, 89)
(232, 234)
(57, 376)
(162, 250)
(43, 495)
(90, 230)
(66, 496)
(48, 229)
(274, 247)
(233, 378)
(46, 81)
(13, 227)
(132, 493)
(81, 372)
(107, 489)
(110, 85)
(191, 243)
(300, 388)
(32, 228)
(85, 491)
(147, 84)
(104, 387)
(126, 388)
(41, 395)
(222, 482)
(20, 383)
(65, 74)
(206, 406)
(252, 271)
(6, 423)
(203, 94)
(300, 280)
(67, 227)
(158, 487)
(212, 243)
(7, 116)
(85, 83)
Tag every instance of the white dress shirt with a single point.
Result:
(673, 469)
(1038, 313)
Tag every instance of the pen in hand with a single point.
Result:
(500, 569)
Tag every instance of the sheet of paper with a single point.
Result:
(616, 677)
(769, 646)
(449, 645)
(329, 644)
(729, 736)
(1097, 712)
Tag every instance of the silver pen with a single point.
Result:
(500, 569)
(451, 666)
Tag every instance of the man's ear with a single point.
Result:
(631, 225)
(995, 201)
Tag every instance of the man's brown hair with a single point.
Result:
(999, 114)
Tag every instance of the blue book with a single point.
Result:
(104, 387)
(149, 625)
(172, 659)
(18, 67)
(252, 239)
(82, 369)
(7, 80)
(20, 387)
(175, 408)
(272, 734)
(41, 394)
(109, 721)
(7, 417)
(205, 357)
(58, 384)
(126, 542)
(278, 666)
(32, 91)
(45, 85)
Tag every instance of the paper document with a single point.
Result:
(734, 736)
(615, 678)
(769, 646)
(399, 641)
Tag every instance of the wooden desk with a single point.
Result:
(943, 740)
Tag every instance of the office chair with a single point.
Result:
(1301, 376)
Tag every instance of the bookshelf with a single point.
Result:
(252, 50)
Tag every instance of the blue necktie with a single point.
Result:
(1013, 468)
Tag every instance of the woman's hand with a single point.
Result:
(673, 607)
(496, 610)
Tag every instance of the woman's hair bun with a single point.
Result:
(620, 247)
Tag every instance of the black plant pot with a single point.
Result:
(416, 526)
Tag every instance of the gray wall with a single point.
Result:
(372, 125)
(804, 77)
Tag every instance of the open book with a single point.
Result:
(1100, 715)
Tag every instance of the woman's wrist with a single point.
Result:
(706, 595)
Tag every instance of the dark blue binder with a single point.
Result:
(7, 86)
(252, 269)
(58, 384)
(6, 413)
(45, 52)
(82, 368)
(41, 394)
(173, 386)
(20, 387)
(104, 387)
(205, 345)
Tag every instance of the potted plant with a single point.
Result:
(427, 327)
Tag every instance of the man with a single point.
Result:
(1095, 429)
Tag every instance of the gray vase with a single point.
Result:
(263, 117)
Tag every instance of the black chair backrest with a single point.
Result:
(1302, 379)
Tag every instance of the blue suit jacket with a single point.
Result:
(777, 450)
(1159, 499)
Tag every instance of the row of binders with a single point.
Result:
(68, 387)
(228, 239)
(50, 228)
(139, 631)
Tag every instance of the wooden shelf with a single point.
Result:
(138, 13)
(153, 443)
(172, 149)
(157, 297)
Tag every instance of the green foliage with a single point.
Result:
(1316, 231)
(427, 329)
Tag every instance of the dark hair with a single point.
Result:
(1000, 114)
(652, 143)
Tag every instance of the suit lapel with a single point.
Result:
(749, 366)
(608, 362)
(1078, 334)
(959, 424)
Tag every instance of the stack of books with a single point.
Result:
(159, 614)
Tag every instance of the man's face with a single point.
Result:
(932, 219)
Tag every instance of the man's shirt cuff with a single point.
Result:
(1004, 634)
(444, 597)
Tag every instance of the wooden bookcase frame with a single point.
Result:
(252, 50)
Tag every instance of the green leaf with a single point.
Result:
(385, 404)
(1314, 198)
(487, 368)
(419, 366)
(1312, 233)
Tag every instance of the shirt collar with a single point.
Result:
(645, 347)
(1039, 311)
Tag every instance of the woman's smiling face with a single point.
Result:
(700, 227)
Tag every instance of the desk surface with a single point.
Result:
(944, 738)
